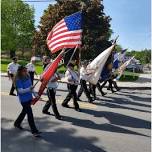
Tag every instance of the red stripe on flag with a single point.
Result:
(60, 37)
(65, 41)
(61, 47)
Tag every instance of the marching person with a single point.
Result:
(11, 71)
(83, 78)
(114, 83)
(93, 90)
(114, 68)
(73, 81)
(100, 88)
(31, 69)
(46, 60)
(24, 89)
(51, 92)
(106, 76)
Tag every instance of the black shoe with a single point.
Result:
(91, 101)
(113, 91)
(59, 117)
(18, 127)
(78, 109)
(79, 99)
(38, 132)
(46, 112)
(66, 106)
(103, 94)
(118, 89)
(97, 98)
(12, 94)
(37, 135)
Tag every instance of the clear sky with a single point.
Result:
(130, 20)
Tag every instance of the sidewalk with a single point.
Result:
(144, 82)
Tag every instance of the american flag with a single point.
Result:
(66, 33)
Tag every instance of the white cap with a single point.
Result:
(33, 58)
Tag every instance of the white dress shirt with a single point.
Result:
(30, 67)
(83, 74)
(53, 85)
(12, 68)
(72, 77)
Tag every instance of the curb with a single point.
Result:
(131, 88)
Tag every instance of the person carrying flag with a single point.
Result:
(24, 89)
(46, 60)
(83, 78)
(73, 81)
(114, 68)
(51, 93)
(65, 34)
(108, 76)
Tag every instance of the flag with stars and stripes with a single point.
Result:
(66, 33)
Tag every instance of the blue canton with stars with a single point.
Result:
(74, 21)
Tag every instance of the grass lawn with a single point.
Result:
(127, 76)
(39, 67)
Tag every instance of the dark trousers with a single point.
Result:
(52, 101)
(93, 90)
(110, 84)
(26, 110)
(31, 76)
(72, 94)
(100, 88)
(115, 85)
(84, 89)
(12, 87)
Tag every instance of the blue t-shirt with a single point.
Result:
(24, 84)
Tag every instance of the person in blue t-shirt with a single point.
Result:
(24, 89)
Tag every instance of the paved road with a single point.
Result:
(116, 123)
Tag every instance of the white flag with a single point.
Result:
(123, 67)
(96, 66)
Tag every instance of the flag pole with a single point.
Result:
(72, 55)
(36, 83)
(40, 78)
(116, 39)
(79, 59)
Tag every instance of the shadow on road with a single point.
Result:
(120, 119)
(103, 127)
(59, 140)
(136, 97)
(64, 138)
(131, 100)
(111, 105)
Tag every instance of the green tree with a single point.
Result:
(17, 22)
(144, 56)
(96, 29)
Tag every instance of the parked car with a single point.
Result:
(135, 67)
